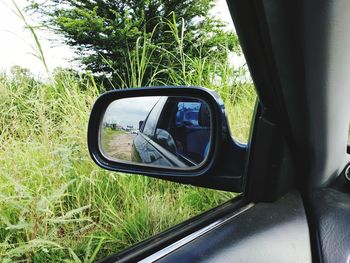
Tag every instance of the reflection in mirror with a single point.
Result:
(158, 131)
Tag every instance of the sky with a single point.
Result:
(129, 111)
(16, 42)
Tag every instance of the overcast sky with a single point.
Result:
(129, 111)
(15, 41)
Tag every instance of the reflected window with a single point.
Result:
(188, 112)
(184, 128)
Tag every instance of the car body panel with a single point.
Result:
(144, 152)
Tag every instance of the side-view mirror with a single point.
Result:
(140, 124)
(174, 133)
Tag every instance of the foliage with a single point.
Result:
(105, 33)
(55, 204)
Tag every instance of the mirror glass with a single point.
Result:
(157, 131)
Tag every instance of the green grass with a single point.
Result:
(55, 203)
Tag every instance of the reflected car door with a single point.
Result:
(180, 135)
(156, 142)
(142, 149)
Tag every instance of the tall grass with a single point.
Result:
(37, 48)
(232, 83)
(55, 203)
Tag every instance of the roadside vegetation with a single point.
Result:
(116, 144)
(103, 34)
(56, 205)
(107, 135)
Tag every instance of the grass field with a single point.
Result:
(56, 205)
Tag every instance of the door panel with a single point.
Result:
(330, 214)
(267, 232)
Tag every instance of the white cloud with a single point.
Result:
(129, 111)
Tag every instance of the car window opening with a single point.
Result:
(183, 129)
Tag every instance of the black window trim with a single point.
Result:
(158, 114)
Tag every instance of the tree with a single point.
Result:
(107, 33)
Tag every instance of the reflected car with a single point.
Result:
(176, 133)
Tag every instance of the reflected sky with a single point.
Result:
(129, 111)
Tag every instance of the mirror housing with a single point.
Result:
(222, 169)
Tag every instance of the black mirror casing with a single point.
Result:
(224, 166)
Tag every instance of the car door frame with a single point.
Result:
(274, 166)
